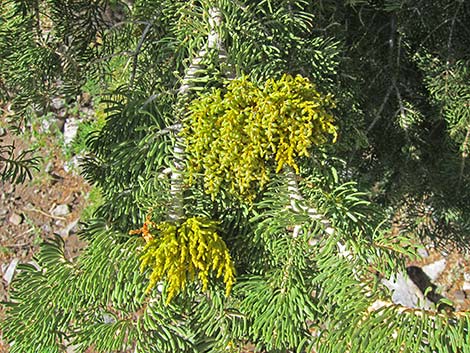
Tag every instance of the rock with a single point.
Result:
(466, 286)
(58, 103)
(71, 349)
(15, 219)
(61, 210)
(405, 292)
(45, 126)
(73, 165)
(49, 166)
(88, 112)
(46, 228)
(69, 228)
(459, 296)
(85, 98)
(435, 269)
(70, 130)
(423, 252)
(10, 271)
(108, 319)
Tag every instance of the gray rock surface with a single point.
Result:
(70, 228)
(434, 270)
(10, 271)
(61, 210)
(15, 219)
(58, 103)
(70, 130)
(73, 165)
(406, 293)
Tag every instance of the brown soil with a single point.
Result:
(26, 210)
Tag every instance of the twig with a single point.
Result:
(45, 213)
(176, 211)
(451, 32)
(172, 128)
(394, 47)
(123, 23)
(24, 233)
(401, 107)
(464, 157)
(137, 52)
(381, 108)
(157, 95)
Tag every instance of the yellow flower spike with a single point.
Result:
(237, 136)
(181, 253)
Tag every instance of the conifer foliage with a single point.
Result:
(253, 157)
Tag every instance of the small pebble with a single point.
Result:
(8, 276)
(459, 296)
(423, 252)
(85, 98)
(58, 103)
(46, 228)
(70, 130)
(69, 228)
(49, 166)
(61, 210)
(15, 219)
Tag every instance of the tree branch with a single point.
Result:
(137, 52)
(465, 150)
(298, 205)
(176, 211)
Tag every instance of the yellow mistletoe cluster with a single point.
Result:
(238, 136)
(178, 253)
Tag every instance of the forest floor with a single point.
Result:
(52, 202)
(57, 197)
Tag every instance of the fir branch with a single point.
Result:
(176, 212)
(298, 205)
(16, 169)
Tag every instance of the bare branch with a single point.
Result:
(137, 52)
(176, 189)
